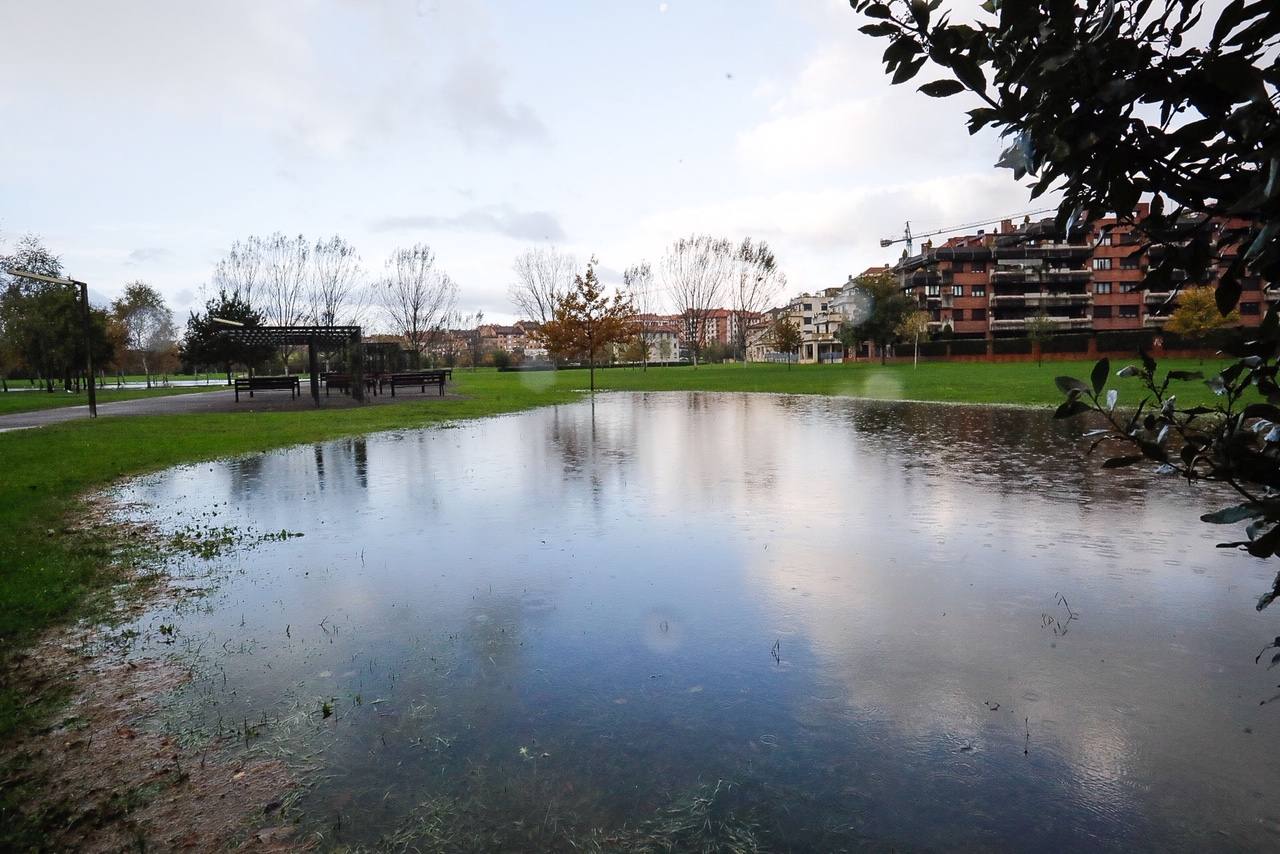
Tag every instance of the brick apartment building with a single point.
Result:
(987, 285)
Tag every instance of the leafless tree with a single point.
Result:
(239, 273)
(694, 272)
(335, 294)
(543, 275)
(418, 296)
(637, 281)
(285, 269)
(756, 280)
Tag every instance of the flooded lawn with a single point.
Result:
(733, 621)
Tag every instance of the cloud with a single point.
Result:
(473, 94)
(321, 76)
(148, 254)
(499, 219)
(840, 114)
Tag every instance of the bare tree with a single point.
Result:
(756, 280)
(418, 296)
(147, 324)
(239, 273)
(334, 296)
(285, 270)
(637, 280)
(694, 272)
(543, 276)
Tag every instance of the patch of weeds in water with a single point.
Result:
(710, 818)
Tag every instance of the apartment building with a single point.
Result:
(988, 285)
(818, 321)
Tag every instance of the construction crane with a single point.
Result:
(908, 238)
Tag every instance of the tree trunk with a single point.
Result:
(884, 354)
(591, 369)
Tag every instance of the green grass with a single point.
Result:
(1023, 383)
(47, 567)
(30, 401)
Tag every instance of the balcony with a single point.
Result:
(1156, 297)
(1006, 299)
(1019, 274)
(1060, 322)
(1152, 320)
(1068, 275)
(1058, 299)
(1046, 250)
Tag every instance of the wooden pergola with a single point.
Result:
(311, 336)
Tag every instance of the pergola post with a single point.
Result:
(313, 365)
(357, 367)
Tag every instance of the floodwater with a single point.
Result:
(701, 619)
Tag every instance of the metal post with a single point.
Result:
(357, 367)
(313, 365)
(87, 329)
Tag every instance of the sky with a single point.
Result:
(145, 136)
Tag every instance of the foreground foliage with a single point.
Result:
(1110, 101)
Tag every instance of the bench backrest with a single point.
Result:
(418, 376)
(266, 382)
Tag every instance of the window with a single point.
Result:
(1102, 287)
(1129, 263)
(1101, 311)
(979, 314)
(957, 290)
(1102, 263)
(1129, 311)
(978, 291)
(1251, 283)
(808, 320)
(933, 290)
(1129, 287)
(823, 307)
(808, 307)
(1106, 239)
(978, 267)
(958, 314)
(957, 266)
(1248, 308)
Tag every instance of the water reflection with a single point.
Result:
(563, 622)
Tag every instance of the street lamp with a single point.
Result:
(84, 325)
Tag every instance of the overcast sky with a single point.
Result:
(144, 136)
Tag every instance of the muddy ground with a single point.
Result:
(97, 774)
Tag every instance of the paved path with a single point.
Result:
(221, 400)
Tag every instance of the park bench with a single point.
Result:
(422, 379)
(342, 382)
(252, 384)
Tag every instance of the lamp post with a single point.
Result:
(85, 325)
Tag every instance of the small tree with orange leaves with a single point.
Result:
(587, 322)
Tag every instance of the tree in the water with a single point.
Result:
(587, 323)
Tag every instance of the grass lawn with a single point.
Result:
(29, 401)
(47, 567)
(1023, 383)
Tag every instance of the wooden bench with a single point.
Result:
(422, 379)
(342, 382)
(252, 384)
